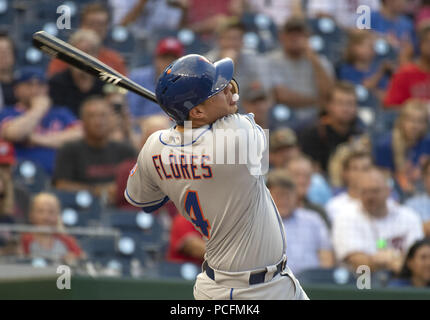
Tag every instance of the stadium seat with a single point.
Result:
(185, 271)
(145, 226)
(6, 13)
(122, 40)
(327, 38)
(79, 208)
(383, 50)
(338, 276)
(31, 176)
(261, 31)
(366, 98)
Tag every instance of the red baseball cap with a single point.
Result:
(7, 153)
(170, 46)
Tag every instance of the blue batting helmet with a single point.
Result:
(189, 81)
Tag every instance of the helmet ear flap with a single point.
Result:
(235, 86)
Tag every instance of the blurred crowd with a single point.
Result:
(347, 109)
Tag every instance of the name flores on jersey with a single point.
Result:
(183, 167)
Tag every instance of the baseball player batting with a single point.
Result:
(227, 203)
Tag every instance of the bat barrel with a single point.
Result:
(59, 49)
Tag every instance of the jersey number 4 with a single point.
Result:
(194, 210)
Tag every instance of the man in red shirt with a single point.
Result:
(186, 243)
(95, 17)
(413, 79)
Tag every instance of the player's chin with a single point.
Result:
(234, 109)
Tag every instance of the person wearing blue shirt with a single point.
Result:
(402, 150)
(33, 124)
(308, 240)
(391, 22)
(390, 19)
(168, 50)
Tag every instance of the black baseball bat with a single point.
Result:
(59, 49)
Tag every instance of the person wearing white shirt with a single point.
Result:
(379, 232)
(353, 166)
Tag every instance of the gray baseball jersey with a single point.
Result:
(227, 203)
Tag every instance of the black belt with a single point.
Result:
(254, 278)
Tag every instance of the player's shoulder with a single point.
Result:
(153, 141)
(236, 121)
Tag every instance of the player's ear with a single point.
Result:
(197, 113)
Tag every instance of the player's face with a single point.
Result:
(219, 105)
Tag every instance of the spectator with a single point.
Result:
(45, 212)
(391, 22)
(95, 16)
(256, 99)
(412, 80)
(402, 150)
(7, 244)
(168, 50)
(248, 66)
(35, 125)
(380, 232)
(186, 243)
(71, 87)
(344, 12)
(301, 79)
(91, 163)
(150, 125)
(122, 124)
(7, 63)
(153, 123)
(420, 203)
(278, 10)
(359, 66)
(304, 252)
(354, 165)
(339, 124)
(301, 171)
(204, 16)
(283, 147)
(422, 17)
(416, 267)
(146, 17)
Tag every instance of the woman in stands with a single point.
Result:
(402, 150)
(416, 268)
(45, 211)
